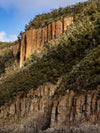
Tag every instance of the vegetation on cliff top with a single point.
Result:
(44, 19)
(80, 9)
(75, 56)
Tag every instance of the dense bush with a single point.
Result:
(84, 76)
(6, 55)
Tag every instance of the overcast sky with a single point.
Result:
(14, 14)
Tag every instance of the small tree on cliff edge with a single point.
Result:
(20, 37)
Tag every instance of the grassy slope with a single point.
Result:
(62, 58)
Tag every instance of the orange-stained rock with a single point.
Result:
(53, 30)
(67, 22)
(45, 34)
(39, 38)
(23, 50)
(33, 40)
(28, 41)
(58, 28)
(49, 32)
(42, 37)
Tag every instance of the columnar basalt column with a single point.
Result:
(33, 40)
(23, 53)
(53, 31)
(39, 38)
(58, 28)
(49, 32)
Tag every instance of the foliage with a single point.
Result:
(84, 76)
(6, 55)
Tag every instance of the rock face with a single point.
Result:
(16, 49)
(39, 109)
(33, 40)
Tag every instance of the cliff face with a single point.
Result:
(39, 110)
(33, 40)
(16, 49)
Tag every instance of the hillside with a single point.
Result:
(59, 86)
(8, 57)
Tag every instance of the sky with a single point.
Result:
(15, 14)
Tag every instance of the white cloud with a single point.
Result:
(5, 38)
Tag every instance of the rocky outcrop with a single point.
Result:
(33, 40)
(16, 49)
(28, 109)
(39, 109)
(75, 109)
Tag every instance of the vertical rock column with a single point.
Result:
(58, 28)
(23, 54)
(53, 31)
(49, 32)
(29, 43)
(39, 38)
(42, 37)
(34, 40)
(45, 34)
